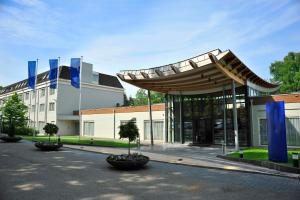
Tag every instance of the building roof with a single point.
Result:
(104, 79)
(127, 109)
(210, 70)
(287, 98)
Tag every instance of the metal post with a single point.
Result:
(114, 124)
(80, 85)
(35, 93)
(150, 114)
(180, 118)
(166, 118)
(235, 124)
(224, 120)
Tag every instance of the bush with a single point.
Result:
(129, 131)
(26, 131)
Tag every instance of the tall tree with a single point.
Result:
(287, 72)
(14, 113)
(141, 97)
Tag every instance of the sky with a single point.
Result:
(116, 35)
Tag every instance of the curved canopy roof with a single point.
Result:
(209, 71)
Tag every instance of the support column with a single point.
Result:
(166, 117)
(150, 115)
(235, 124)
(224, 120)
(181, 120)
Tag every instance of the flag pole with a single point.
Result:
(80, 85)
(57, 80)
(35, 94)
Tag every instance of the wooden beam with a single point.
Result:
(225, 70)
(193, 64)
(145, 75)
(121, 76)
(175, 69)
(132, 76)
(158, 72)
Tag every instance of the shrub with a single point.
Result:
(26, 131)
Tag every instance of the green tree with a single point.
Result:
(141, 97)
(287, 73)
(129, 131)
(50, 129)
(14, 113)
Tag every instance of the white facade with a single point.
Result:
(57, 106)
(106, 122)
(258, 118)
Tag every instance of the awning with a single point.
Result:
(206, 72)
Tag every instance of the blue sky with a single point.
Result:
(120, 34)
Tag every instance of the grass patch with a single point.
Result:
(82, 141)
(261, 154)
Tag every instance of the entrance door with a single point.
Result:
(202, 131)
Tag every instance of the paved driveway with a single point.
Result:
(28, 174)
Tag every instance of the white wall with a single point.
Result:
(259, 112)
(104, 123)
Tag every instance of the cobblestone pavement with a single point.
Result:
(29, 174)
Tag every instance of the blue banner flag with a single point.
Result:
(31, 74)
(276, 131)
(75, 72)
(53, 73)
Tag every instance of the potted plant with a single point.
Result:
(14, 117)
(50, 129)
(128, 161)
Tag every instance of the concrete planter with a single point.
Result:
(11, 139)
(127, 162)
(48, 146)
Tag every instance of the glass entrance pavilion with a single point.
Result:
(207, 97)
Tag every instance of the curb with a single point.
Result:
(199, 166)
(267, 164)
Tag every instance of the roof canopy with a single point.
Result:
(209, 71)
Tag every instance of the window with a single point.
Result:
(32, 108)
(158, 128)
(88, 128)
(33, 94)
(42, 92)
(263, 131)
(51, 106)
(42, 107)
(52, 91)
(27, 95)
(95, 78)
(292, 131)
(20, 96)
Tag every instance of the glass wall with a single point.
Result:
(199, 119)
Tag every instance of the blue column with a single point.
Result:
(276, 131)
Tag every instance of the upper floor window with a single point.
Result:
(51, 106)
(52, 91)
(27, 95)
(33, 94)
(42, 92)
(42, 107)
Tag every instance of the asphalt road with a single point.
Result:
(28, 174)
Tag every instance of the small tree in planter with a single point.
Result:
(129, 131)
(50, 129)
(129, 161)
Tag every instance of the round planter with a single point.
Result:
(11, 139)
(127, 162)
(48, 146)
